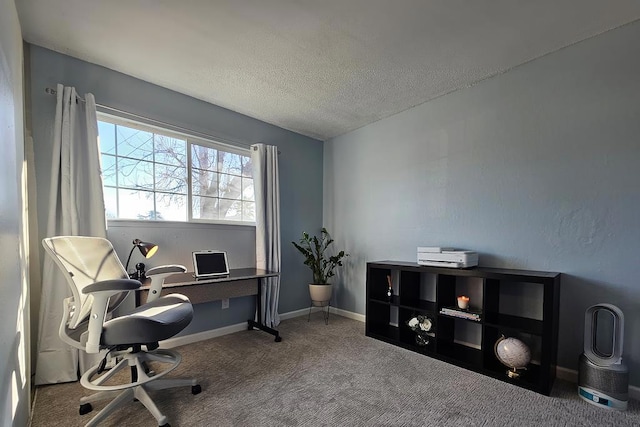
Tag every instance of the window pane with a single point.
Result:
(134, 143)
(135, 174)
(229, 163)
(171, 151)
(172, 179)
(248, 211)
(111, 202)
(203, 157)
(171, 207)
(247, 189)
(146, 176)
(205, 207)
(228, 208)
(229, 186)
(136, 204)
(247, 166)
(107, 132)
(204, 183)
(233, 210)
(108, 170)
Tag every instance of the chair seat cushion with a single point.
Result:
(149, 323)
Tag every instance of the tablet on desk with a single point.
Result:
(210, 264)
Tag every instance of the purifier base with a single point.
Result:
(601, 400)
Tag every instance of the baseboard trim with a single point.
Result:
(562, 373)
(567, 374)
(296, 313)
(225, 330)
(204, 335)
(348, 314)
(334, 310)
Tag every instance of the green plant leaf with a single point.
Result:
(313, 249)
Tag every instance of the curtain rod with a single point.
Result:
(169, 126)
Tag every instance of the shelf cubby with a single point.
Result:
(378, 288)
(417, 290)
(421, 305)
(460, 354)
(514, 303)
(513, 323)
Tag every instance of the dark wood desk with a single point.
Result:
(239, 282)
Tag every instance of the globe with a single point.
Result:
(512, 353)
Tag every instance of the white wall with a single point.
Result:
(14, 311)
(536, 168)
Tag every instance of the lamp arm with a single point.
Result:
(129, 259)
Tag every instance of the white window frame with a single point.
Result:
(190, 139)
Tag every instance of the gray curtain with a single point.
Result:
(266, 186)
(76, 208)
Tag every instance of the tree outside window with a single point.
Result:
(149, 174)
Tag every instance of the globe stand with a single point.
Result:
(513, 373)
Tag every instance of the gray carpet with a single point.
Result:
(333, 375)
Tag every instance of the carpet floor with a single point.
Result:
(332, 375)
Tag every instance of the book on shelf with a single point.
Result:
(462, 314)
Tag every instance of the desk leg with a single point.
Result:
(253, 324)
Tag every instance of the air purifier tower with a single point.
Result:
(603, 380)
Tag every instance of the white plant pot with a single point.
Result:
(320, 294)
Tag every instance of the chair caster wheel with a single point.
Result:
(196, 389)
(278, 338)
(85, 408)
(166, 425)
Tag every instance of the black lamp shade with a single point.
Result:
(147, 249)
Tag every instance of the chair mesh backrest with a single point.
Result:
(85, 260)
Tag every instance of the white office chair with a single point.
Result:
(99, 284)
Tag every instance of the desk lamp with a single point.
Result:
(147, 250)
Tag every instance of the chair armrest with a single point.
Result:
(101, 292)
(166, 269)
(157, 276)
(117, 285)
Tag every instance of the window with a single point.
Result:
(151, 173)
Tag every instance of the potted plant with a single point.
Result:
(321, 264)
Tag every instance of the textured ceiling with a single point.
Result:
(318, 67)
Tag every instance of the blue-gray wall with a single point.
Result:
(14, 253)
(537, 168)
(300, 176)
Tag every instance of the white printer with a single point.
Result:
(446, 257)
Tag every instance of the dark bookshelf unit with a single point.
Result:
(514, 303)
